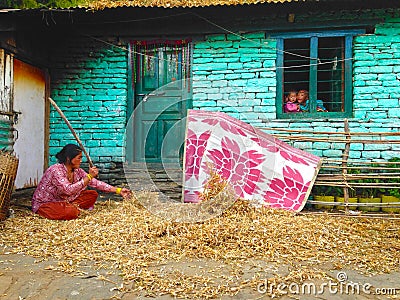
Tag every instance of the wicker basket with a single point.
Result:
(8, 172)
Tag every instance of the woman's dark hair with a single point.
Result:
(68, 152)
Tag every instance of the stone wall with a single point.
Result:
(377, 73)
(89, 83)
(237, 77)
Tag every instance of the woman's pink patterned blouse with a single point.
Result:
(55, 187)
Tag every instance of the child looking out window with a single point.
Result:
(304, 102)
(291, 104)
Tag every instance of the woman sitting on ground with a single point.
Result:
(61, 192)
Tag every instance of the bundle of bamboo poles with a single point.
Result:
(350, 176)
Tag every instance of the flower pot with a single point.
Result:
(369, 200)
(390, 199)
(351, 200)
(324, 199)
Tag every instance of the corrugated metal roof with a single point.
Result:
(102, 4)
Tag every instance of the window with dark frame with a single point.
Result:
(319, 64)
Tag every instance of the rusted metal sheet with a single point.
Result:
(6, 115)
(29, 85)
(6, 75)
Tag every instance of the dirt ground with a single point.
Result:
(25, 277)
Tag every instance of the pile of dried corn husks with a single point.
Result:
(126, 236)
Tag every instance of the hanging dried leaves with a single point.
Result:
(102, 4)
(141, 246)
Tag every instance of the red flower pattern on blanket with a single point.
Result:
(226, 126)
(191, 196)
(240, 169)
(195, 147)
(274, 148)
(288, 193)
(260, 167)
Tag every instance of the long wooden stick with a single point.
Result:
(345, 157)
(72, 130)
(274, 129)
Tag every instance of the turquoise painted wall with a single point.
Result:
(90, 85)
(232, 74)
(377, 73)
(6, 134)
(236, 75)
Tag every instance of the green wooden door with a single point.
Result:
(161, 102)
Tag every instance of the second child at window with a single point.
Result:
(304, 102)
(291, 104)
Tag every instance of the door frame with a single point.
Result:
(130, 153)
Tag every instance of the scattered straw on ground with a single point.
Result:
(126, 236)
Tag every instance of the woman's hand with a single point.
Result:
(93, 171)
(125, 192)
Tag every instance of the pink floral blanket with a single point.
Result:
(258, 166)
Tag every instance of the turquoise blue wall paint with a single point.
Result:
(232, 74)
(6, 134)
(90, 86)
(377, 73)
(236, 76)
